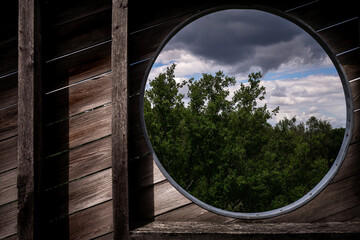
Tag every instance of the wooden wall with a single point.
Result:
(76, 186)
(336, 23)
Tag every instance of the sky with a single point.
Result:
(298, 75)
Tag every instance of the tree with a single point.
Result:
(223, 151)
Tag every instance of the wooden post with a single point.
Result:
(119, 65)
(29, 118)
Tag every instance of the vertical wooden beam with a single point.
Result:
(119, 65)
(29, 118)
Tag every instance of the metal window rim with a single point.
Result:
(343, 149)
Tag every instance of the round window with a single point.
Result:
(246, 114)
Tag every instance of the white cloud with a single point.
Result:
(317, 95)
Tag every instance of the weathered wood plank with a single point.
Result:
(109, 236)
(192, 213)
(351, 164)
(335, 198)
(139, 51)
(9, 122)
(8, 219)
(78, 195)
(149, 14)
(78, 98)
(29, 118)
(356, 132)
(78, 34)
(351, 63)
(322, 14)
(8, 91)
(120, 65)
(8, 154)
(342, 37)
(90, 223)
(344, 216)
(355, 90)
(8, 188)
(77, 66)
(77, 163)
(209, 231)
(78, 130)
(167, 198)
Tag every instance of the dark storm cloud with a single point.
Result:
(246, 38)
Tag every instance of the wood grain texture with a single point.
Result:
(8, 219)
(78, 34)
(8, 91)
(342, 37)
(209, 231)
(355, 90)
(351, 63)
(323, 14)
(8, 188)
(345, 216)
(78, 195)
(78, 162)
(78, 130)
(119, 126)
(77, 66)
(9, 122)
(192, 213)
(78, 98)
(351, 164)
(88, 224)
(8, 154)
(29, 119)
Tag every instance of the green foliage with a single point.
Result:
(224, 152)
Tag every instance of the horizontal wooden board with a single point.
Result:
(356, 132)
(8, 122)
(8, 219)
(8, 154)
(210, 231)
(78, 195)
(192, 213)
(355, 90)
(350, 61)
(78, 98)
(66, 11)
(153, 37)
(342, 37)
(167, 198)
(108, 236)
(149, 14)
(77, 66)
(335, 198)
(78, 130)
(8, 91)
(8, 187)
(90, 223)
(136, 76)
(78, 34)
(322, 14)
(344, 216)
(77, 163)
(351, 164)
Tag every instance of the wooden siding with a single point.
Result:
(76, 185)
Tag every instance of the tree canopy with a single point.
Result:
(224, 152)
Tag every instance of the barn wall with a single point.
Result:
(337, 24)
(77, 170)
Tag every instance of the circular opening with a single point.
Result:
(245, 113)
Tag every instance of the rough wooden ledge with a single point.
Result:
(211, 231)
